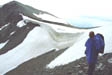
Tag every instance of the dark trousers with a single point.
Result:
(91, 68)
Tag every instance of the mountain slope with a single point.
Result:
(79, 67)
(24, 36)
(10, 16)
(22, 39)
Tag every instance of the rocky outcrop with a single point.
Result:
(10, 16)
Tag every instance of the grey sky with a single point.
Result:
(71, 8)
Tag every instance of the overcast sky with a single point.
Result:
(71, 8)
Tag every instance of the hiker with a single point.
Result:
(91, 53)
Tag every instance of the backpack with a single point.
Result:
(100, 44)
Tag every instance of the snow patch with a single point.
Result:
(32, 46)
(3, 44)
(78, 49)
(71, 54)
(50, 18)
(4, 26)
(110, 60)
(12, 33)
(21, 23)
(57, 28)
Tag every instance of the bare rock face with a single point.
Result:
(9, 12)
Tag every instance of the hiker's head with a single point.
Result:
(91, 34)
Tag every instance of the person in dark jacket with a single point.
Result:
(91, 53)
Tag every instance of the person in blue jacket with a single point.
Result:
(91, 53)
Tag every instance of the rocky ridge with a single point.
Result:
(37, 66)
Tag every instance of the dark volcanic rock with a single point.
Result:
(37, 65)
(79, 67)
(9, 12)
(17, 38)
(14, 17)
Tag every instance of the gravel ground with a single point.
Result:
(37, 66)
